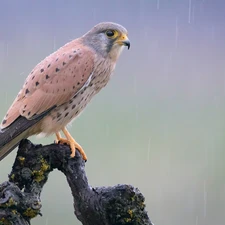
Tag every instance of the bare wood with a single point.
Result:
(20, 196)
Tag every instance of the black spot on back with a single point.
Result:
(58, 115)
(37, 83)
(66, 114)
(49, 65)
(47, 76)
(42, 70)
(4, 121)
(57, 70)
(27, 91)
(64, 63)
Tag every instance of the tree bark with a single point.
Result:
(20, 196)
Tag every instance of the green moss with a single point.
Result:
(130, 212)
(30, 213)
(127, 220)
(44, 166)
(8, 204)
(14, 212)
(136, 200)
(11, 202)
(12, 176)
(4, 221)
(130, 216)
(21, 160)
(39, 175)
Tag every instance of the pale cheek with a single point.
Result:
(121, 48)
(116, 51)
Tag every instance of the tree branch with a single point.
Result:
(20, 196)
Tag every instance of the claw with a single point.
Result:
(71, 142)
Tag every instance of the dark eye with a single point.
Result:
(110, 33)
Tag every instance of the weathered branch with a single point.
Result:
(20, 196)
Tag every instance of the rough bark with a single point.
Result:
(20, 196)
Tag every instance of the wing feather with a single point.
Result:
(53, 81)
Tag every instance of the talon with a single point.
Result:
(72, 143)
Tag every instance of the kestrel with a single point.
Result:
(59, 87)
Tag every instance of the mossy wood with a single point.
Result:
(20, 196)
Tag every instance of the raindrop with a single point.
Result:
(205, 199)
(176, 33)
(193, 12)
(7, 49)
(157, 4)
(54, 43)
(189, 12)
(46, 222)
(149, 147)
(196, 220)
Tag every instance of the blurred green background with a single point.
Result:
(158, 125)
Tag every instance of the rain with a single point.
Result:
(159, 124)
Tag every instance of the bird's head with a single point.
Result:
(108, 39)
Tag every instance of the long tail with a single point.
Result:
(11, 136)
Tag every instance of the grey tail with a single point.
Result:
(11, 136)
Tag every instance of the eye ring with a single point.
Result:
(110, 33)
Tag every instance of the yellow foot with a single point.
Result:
(72, 143)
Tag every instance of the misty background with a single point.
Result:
(160, 122)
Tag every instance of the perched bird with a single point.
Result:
(61, 85)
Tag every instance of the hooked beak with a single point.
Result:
(126, 43)
(123, 40)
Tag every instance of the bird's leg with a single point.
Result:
(58, 137)
(71, 142)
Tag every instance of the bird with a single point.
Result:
(58, 88)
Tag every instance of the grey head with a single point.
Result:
(107, 38)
